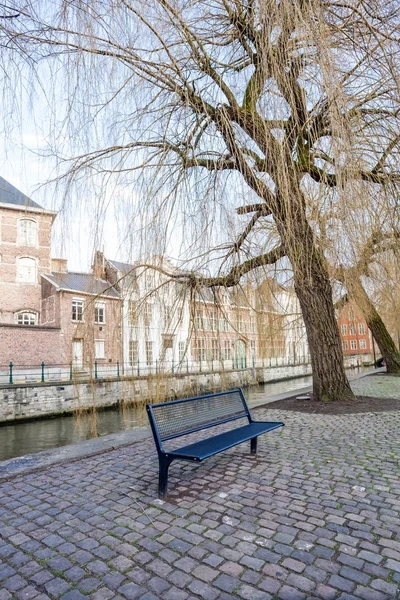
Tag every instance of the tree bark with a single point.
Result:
(313, 289)
(377, 327)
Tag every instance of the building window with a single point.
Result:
(344, 329)
(215, 350)
(345, 345)
(77, 310)
(26, 318)
(351, 315)
(181, 350)
(252, 349)
(26, 272)
(361, 328)
(198, 319)
(252, 324)
(27, 233)
(353, 344)
(213, 320)
(149, 353)
(168, 342)
(99, 349)
(199, 349)
(226, 350)
(363, 344)
(240, 323)
(133, 352)
(99, 312)
(352, 329)
(167, 316)
(132, 315)
(147, 313)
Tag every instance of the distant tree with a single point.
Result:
(295, 100)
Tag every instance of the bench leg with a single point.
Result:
(164, 463)
(253, 445)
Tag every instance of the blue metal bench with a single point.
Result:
(171, 420)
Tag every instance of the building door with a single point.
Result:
(77, 353)
(240, 354)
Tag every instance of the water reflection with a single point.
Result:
(19, 439)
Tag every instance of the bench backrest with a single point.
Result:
(173, 419)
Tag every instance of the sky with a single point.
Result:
(23, 166)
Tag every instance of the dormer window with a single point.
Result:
(27, 232)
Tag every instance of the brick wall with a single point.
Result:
(25, 345)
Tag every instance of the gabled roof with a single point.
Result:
(86, 283)
(10, 195)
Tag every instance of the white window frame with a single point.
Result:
(148, 312)
(149, 352)
(26, 237)
(352, 329)
(199, 349)
(23, 269)
(133, 352)
(361, 328)
(181, 350)
(345, 345)
(353, 344)
(99, 349)
(23, 317)
(363, 344)
(81, 302)
(343, 329)
(100, 306)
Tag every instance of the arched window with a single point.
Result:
(26, 270)
(26, 317)
(27, 233)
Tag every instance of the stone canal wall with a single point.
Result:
(33, 400)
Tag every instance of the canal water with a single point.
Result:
(19, 439)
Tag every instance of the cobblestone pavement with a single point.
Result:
(378, 386)
(316, 514)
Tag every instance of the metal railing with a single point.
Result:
(14, 373)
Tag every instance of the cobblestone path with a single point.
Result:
(378, 386)
(315, 515)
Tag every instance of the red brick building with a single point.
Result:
(353, 328)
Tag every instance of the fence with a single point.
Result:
(51, 372)
(13, 373)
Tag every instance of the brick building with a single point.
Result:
(353, 328)
(25, 241)
(87, 310)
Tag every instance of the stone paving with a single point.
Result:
(378, 386)
(316, 514)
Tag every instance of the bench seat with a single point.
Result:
(223, 441)
(179, 418)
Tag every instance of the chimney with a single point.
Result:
(59, 265)
(98, 266)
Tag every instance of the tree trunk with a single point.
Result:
(377, 327)
(313, 289)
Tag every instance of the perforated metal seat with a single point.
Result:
(171, 420)
(218, 443)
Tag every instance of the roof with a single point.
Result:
(86, 283)
(123, 267)
(10, 195)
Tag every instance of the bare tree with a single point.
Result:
(286, 97)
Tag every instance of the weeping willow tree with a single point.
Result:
(268, 104)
